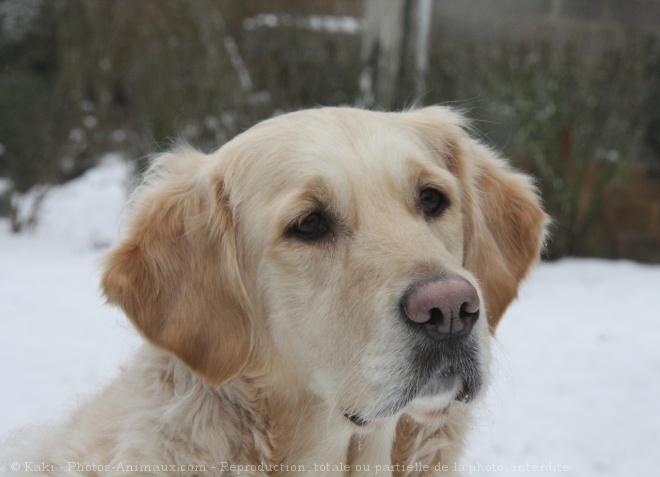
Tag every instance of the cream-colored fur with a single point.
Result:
(259, 342)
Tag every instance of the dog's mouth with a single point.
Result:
(436, 375)
(464, 385)
(356, 419)
(451, 368)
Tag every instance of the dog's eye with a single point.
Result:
(433, 202)
(312, 227)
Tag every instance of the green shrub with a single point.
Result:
(574, 116)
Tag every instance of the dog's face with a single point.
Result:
(340, 229)
(363, 255)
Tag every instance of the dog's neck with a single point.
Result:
(252, 421)
(300, 429)
(295, 430)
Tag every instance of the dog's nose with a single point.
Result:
(446, 308)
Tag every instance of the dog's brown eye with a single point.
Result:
(312, 227)
(433, 202)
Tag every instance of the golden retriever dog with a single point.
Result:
(317, 296)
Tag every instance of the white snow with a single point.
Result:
(57, 337)
(577, 357)
(85, 212)
(327, 23)
(577, 372)
(17, 17)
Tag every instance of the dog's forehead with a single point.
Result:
(343, 147)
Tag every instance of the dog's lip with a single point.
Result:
(356, 419)
(464, 395)
(452, 381)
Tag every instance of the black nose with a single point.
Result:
(446, 308)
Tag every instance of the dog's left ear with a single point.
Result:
(505, 231)
(504, 223)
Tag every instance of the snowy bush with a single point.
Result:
(577, 120)
(574, 115)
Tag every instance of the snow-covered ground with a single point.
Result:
(577, 358)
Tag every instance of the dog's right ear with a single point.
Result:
(176, 274)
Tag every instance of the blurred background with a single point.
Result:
(569, 89)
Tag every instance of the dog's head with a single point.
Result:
(362, 256)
